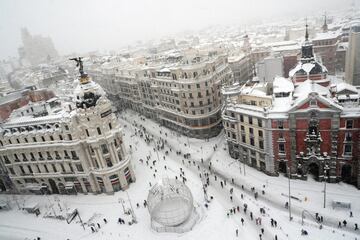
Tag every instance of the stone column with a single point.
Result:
(113, 153)
(123, 183)
(99, 157)
(108, 186)
(83, 187)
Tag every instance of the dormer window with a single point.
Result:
(349, 124)
(313, 103)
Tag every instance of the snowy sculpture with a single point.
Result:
(171, 207)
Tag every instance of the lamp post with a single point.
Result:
(132, 210)
(326, 168)
(289, 174)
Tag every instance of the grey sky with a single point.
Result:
(86, 25)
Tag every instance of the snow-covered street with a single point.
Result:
(231, 193)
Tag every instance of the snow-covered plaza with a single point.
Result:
(238, 201)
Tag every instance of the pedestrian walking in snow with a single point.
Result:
(105, 221)
(276, 238)
(98, 225)
(275, 223)
(251, 216)
(344, 223)
(351, 214)
(237, 232)
(231, 198)
(242, 196)
(272, 222)
(260, 236)
(262, 230)
(339, 225)
(92, 229)
(242, 221)
(356, 227)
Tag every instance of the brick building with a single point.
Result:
(308, 124)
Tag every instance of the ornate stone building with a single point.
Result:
(309, 123)
(182, 94)
(56, 147)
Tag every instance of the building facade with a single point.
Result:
(184, 96)
(308, 124)
(55, 147)
(352, 62)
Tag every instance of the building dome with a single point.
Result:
(170, 202)
(86, 94)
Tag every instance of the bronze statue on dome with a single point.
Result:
(79, 63)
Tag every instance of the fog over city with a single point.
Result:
(79, 26)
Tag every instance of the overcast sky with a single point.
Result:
(87, 25)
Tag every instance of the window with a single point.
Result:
(98, 130)
(348, 150)
(66, 154)
(71, 168)
(348, 137)
(199, 94)
(259, 122)
(62, 167)
(243, 138)
(261, 144)
(30, 169)
(104, 149)
(79, 168)
(60, 137)
(250, 120)
(49, 157)
(241, 118)
(51, 138)
(53, 167)
(74, 155)
(349, 123)
(252, 142)
(193, 112)
(110, 126)
(197, 85)
(260, 133)
(108, 162)
(57, 156)
(34, 139)
(233, 136)
(281, 148)
(313, 103)
(66, 127)
(190, 95)
(40, 156)
(26, 140)
(11, 170)
(24, 157)
(17, 140)
(280, 124)
(87, 132)
(46, 169)
(189, 86)
(7, 161)
(43, 138)
(251, 130)
(69, 137)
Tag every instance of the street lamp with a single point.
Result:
(289, 174)
(326, 168)
(122, 203)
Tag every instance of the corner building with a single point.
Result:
(52, 147)
(308, 124)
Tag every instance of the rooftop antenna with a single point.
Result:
(306, 31)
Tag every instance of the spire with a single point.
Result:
(325, 26)
(306, 31)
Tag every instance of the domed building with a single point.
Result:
(66, 147)
(171, 206)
